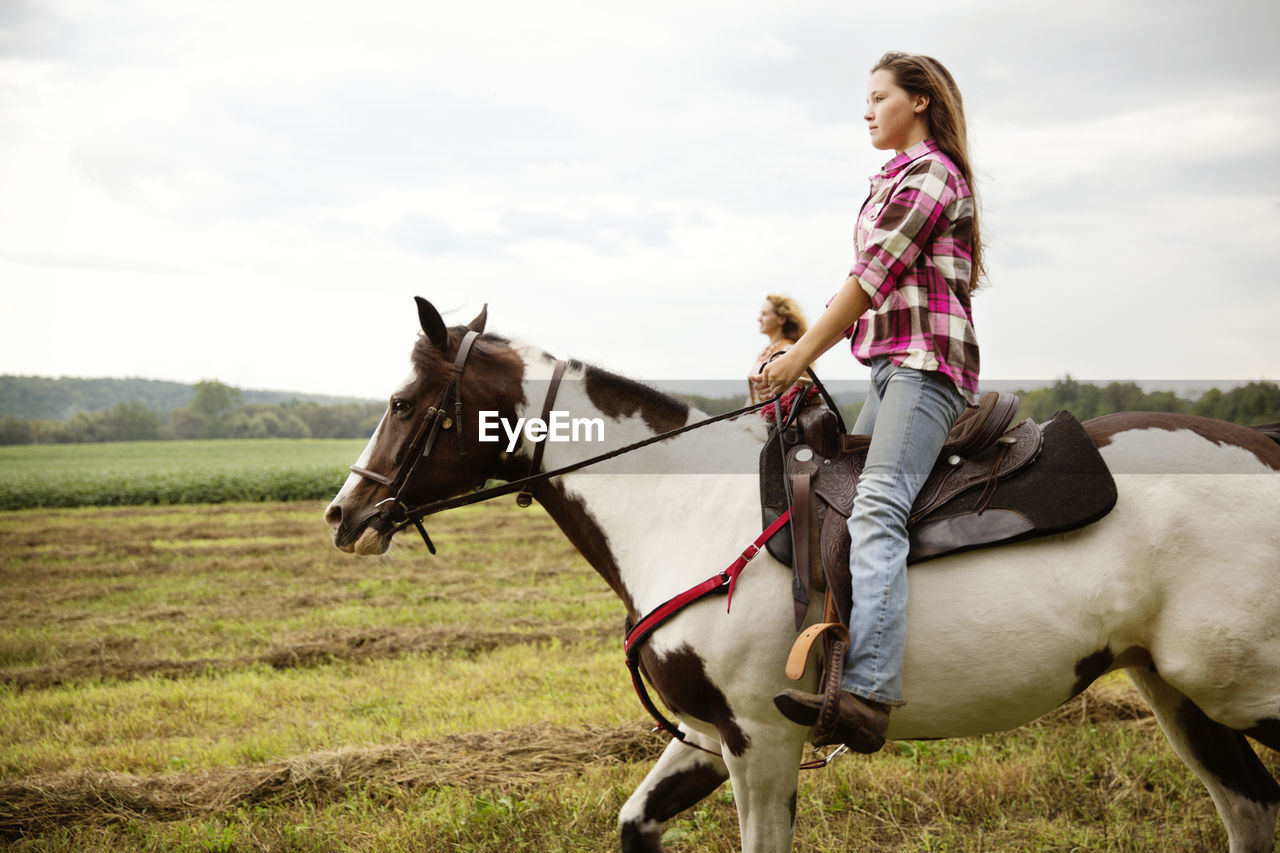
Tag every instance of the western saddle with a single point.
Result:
(991, 484)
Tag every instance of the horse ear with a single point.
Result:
(477, 325)
(432, 323)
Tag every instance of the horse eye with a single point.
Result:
(401, 407)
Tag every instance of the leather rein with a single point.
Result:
(437, 419)
(400, 514)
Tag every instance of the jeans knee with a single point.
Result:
(881, 499)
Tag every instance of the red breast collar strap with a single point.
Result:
(726, 579)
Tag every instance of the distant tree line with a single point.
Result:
(58, 399)
(1251, 404)
(215, 411)
(219, 411)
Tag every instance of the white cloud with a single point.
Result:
(245, 190)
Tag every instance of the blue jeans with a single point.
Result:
(908, 415)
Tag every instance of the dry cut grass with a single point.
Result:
(516, 759)
(220, 679)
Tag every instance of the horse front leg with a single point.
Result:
(682, 777)
(765, 780)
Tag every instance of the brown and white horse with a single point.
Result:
(1178, 585)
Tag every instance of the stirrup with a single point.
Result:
(798, 660)
(829, 714)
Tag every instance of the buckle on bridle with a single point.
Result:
(445, 422)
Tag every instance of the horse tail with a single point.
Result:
(1271, 430)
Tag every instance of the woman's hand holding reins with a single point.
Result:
(780, 373)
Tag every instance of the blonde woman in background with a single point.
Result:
(782, 321)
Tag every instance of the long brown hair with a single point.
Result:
(924, 75)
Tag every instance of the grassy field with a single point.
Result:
(173, 472)
(219, 678)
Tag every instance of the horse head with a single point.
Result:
(426, 447)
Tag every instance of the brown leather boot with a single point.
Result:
(858, 723)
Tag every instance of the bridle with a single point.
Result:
(435, 420)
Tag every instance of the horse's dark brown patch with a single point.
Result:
(619, 397)
(632, 838)
(681, 790)
(1088, 669)
(680, 678)
(1227, 755)
(1103, 429)
(1092, 667)
(667, 798)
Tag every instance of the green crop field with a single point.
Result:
(219, 678)
(173, 472)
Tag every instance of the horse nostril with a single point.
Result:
(333, 515)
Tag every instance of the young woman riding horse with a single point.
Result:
(906, 305)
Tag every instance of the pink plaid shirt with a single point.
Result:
(914, 258)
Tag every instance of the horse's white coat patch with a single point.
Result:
(1162, 451)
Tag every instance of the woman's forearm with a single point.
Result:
(845, 309)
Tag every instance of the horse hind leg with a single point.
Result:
(682, 777)
(1245, 794)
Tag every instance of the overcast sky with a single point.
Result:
(254, 190)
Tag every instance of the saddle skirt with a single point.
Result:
(1031, 480)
